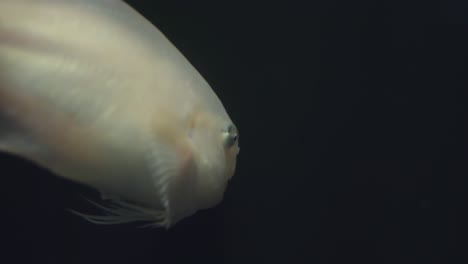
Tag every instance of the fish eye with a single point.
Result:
(231, 136)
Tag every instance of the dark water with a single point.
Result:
(352, 117)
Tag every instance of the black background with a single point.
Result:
(353, 141)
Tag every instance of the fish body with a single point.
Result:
(92, 91)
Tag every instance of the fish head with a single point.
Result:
(215, 144)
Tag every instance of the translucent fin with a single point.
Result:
(121, 212)
(164, 165)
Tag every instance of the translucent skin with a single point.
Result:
(94, 92)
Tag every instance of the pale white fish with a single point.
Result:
(92, 91)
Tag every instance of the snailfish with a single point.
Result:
(93, 92)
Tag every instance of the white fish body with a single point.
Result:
(92, 91)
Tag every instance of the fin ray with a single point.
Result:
(121, 212)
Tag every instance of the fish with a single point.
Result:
(93, 92)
